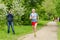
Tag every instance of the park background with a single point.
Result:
(48, 10)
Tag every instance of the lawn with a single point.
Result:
(58, 30)
(20, 31)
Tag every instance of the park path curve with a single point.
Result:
(48, 32)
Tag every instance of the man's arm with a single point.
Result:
(6, 16)
(37, 17)
(12, 17)
(30, 17)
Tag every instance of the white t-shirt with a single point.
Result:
(34, 17)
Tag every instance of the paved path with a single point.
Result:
(48, 32)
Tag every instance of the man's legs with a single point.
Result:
(12, 26)
(34, 28)
(8, 27)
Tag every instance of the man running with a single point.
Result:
(34, 18)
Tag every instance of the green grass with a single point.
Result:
(58, 30)
(20, 31)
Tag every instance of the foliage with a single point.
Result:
(46, 9)
(58, 30)
(58, 8)
(29, 4)
(50, 8)
(20, 31)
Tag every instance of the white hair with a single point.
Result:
(33, 9)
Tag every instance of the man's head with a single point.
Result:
(33, 10)
(9, 11)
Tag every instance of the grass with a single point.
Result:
(20, 31)
(58, 30)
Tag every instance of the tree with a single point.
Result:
(50, 8)
(58, 9)
(29, 4)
